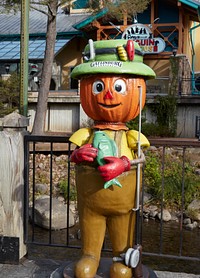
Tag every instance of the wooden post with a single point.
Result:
(24, 57)
(12, 247)
(179, 75)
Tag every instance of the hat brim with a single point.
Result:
(132, 68)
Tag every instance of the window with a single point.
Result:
(73, 82)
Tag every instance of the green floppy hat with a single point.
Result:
(113, 56)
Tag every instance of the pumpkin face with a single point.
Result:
(111, 98)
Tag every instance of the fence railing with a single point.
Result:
(159, 239)
(184, 86)
(178, 237)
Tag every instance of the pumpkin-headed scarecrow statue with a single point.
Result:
(111, 78)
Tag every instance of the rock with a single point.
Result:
(195, 224)
(166, 215)
(153, 213)
(146, 210)
(153, 208)
(187, 221)
(193, 210)
(59, 214)
(41, 188)
(195, 204)
(191, 226)
(146, 198)
(146, 215)
(152, 148)
(150, 212)
(174, 217)
(41, 166)
(71, 236)
(197, 172)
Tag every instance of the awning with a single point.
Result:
(195, 4)
(10, 49)
(90, 19)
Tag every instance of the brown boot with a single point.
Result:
(86, 267)
(119, 270)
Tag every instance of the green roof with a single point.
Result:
(90, 19)
(192, 3)
(195, 4)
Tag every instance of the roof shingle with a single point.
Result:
(10, 23)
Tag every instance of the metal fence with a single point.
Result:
(184, 86)
(197, 130)
(165, 241)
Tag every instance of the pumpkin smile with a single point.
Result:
(109, 106)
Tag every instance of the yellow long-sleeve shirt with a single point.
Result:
(126, 141)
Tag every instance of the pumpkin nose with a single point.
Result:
(108, 95)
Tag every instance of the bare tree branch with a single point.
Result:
(50, 9)
(37, 3)
(39, 10)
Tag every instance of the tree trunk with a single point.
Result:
(41, 109)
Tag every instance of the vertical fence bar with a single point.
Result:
(33, 196)
(197, 128)
(51, 192)
(182, 203)
(68, 188)
(142, 207)
(162, 198)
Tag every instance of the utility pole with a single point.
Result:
(24, 57)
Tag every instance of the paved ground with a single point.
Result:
(44, 268)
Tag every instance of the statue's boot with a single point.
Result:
(86, 267)
(119, 270)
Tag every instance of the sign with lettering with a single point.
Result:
(144, 37)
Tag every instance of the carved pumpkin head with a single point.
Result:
(110, 97)
(112, 72)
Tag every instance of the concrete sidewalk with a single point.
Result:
(43, 268)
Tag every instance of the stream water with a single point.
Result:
(171, 245)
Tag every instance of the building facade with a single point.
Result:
(168, 33)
